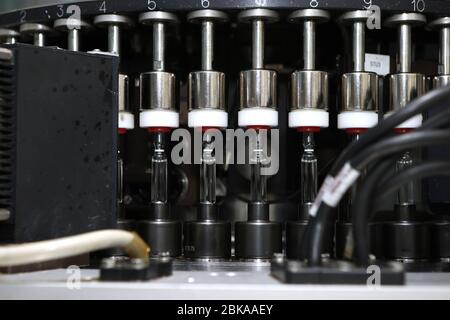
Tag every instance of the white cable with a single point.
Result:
(30, 253)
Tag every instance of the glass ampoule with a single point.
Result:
(159, 170)
(208, 171)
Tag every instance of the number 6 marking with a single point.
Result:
(151, 5)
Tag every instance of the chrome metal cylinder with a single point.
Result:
(114, 23)
(359, 92)
(207, 90)
(39, 39)
(73, 40)
(114, 39)
(309, 18)
(404, 22)
(38, 31)
(157, 91)
(258, 88)
(309, 45)
(10, 40)
(405, 48)
(258, 44)
(441, 81)
(159, 45)
(123, 92)
(8, 36)
(445, 50)
(309, 90)
(359, 48)
(73, 27)
(207, 45)
(405, 87)
(443, 25)
(207, 18)
(158, 19)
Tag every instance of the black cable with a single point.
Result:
(418, 172)
(415, 139)
(435, 99)
(362, 205)
(374, 152)
(365, 201)
(439, 120)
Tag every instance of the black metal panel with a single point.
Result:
(66, 143)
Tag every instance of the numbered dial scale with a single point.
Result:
(13, 13)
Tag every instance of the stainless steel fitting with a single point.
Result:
(359, 88)
(309, 90)
(73, 28)
(207, 90)
(114, 23)
(258, 87)
(309, 87)
(123, 92)
(207, 87)
(38, 31)
(359, 92)
(405, 86)
(8, 36)
(157, 88)
(443, 77)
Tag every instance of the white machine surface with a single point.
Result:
(218, 281)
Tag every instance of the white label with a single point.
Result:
(326, 187)
(378, 63)
(343, 181)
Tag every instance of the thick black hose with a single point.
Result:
(435, 99)
(365, 202)
(442, 119)
(418, 172)
(379, 150)
(401, 142)
(362, 205)
(314, 235)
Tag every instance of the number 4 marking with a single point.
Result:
(102, 7)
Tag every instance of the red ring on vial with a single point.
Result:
(308, 129)
(159, 129)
